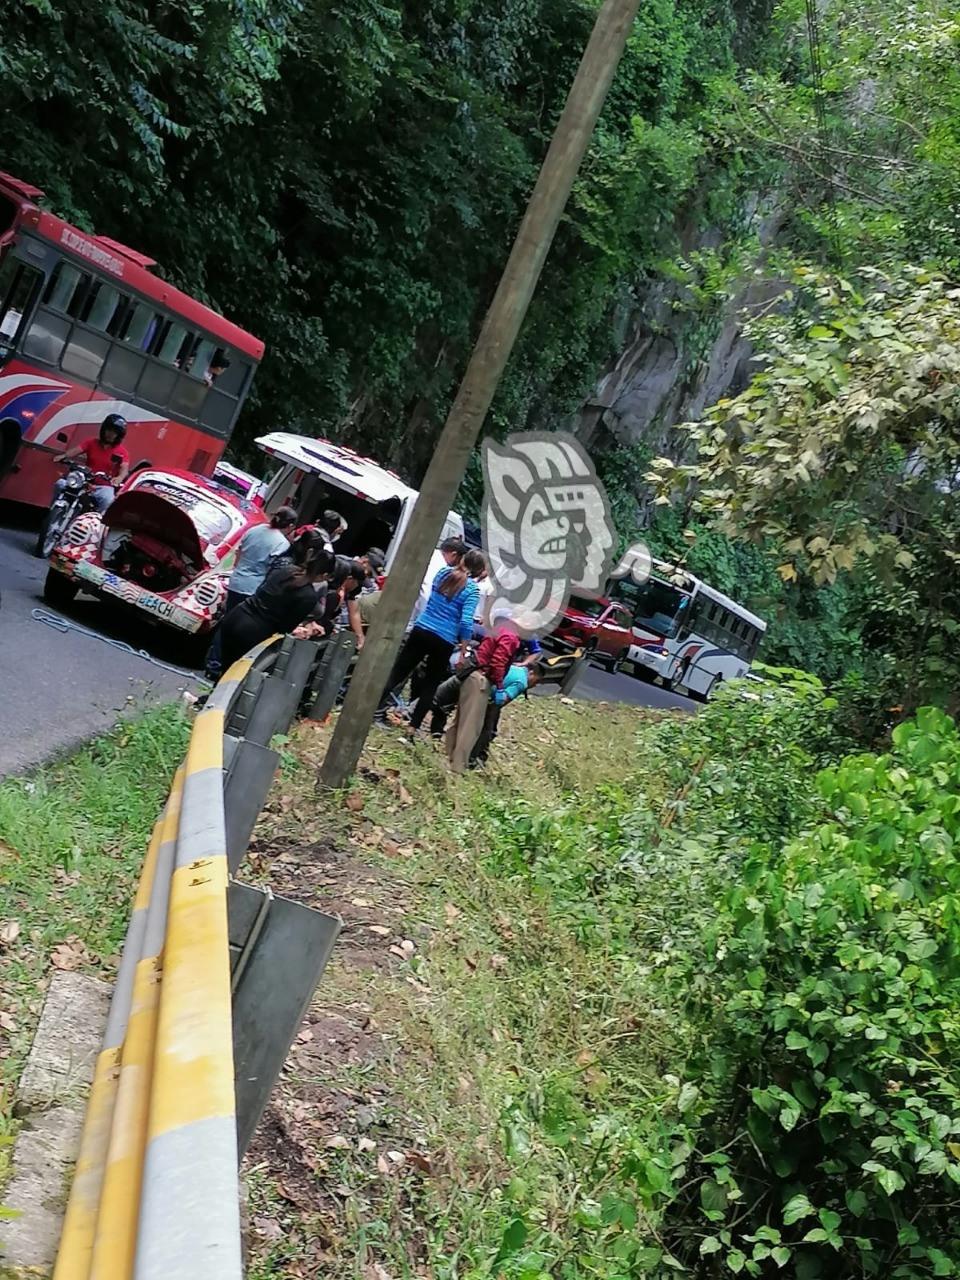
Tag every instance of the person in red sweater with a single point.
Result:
(493, 659)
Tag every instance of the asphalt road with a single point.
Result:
(599, 685)
(58, 689)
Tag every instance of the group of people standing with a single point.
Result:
(288, 578)
(459, 660)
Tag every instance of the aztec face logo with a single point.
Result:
(546, 526)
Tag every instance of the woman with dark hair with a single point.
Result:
(286, 597)
(445, 623)
(258, 547)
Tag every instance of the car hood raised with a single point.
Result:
(142, 512)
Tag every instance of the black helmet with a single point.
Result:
(114, 422)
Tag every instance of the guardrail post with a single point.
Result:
(279, 696)
(572, 678)
(248, 774)
(278, 950)
(331, 673)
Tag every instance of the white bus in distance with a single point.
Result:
(687, 634)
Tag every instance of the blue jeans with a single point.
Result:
(102, 495)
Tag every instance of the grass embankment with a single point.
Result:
(72, 841)
(446, 1098)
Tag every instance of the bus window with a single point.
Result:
(233, 377)
(198, 361)
(660, 607)
(46, 336)
(123, 369)
(103, 303)
(141, 327)
(85, 354)
(188, 396)
(156, 384)
(65, 288)
(170, 343)
(18, 289)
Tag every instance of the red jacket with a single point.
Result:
(495, 655)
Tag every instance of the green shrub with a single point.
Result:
(826, 1081)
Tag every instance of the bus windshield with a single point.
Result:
(660, 606)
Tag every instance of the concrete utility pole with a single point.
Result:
(466, 417)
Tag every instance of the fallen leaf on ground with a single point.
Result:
(7, 1022)
(360, 902)
(366, 1144)
(404, 795)
(354, 802)
(399, 951)
(304, 1035)
(391, 848)
(68, 955)
(338, 1142)
(375, 1271)
(380, 930)
(498, 961)
(268, 1228)
(9, 932)
(420, 1161)
(451, 912)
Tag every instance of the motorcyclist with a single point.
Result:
(102, 453)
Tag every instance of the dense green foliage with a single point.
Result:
(791, 944)
(835, 1147)
(345, 181)
(843, 453)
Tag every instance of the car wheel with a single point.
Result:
(59, 590)
(619, 664)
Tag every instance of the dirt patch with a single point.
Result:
(333, 1140)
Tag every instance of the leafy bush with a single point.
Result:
(826, 1077)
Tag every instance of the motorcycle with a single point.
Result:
(75, 500)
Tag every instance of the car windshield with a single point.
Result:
(592, 608)
(210, 520)
(659, 607)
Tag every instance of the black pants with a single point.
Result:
(214, 663)
(241, 629)
(481, 748)
(432, 650)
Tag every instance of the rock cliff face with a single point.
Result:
(656, 381)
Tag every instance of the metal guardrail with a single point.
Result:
(155, 1194)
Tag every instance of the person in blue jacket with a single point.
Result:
(444, 624)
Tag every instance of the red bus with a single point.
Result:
(87, 329)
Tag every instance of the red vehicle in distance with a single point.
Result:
(87, 329)
(603, 627)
